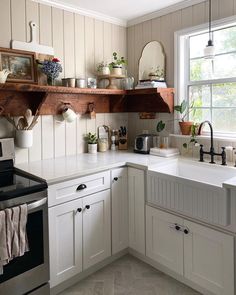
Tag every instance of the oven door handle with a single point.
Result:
(34, 205)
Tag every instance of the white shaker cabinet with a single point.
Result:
(120, 205)
(65, 231)
(96, 228)
(136, 193)
(209, 259)
(164, 239)
(202, 255)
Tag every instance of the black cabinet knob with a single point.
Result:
(87, 206)
(186, 231)
(115, 178)
(81, 187)
(177, 227)
(79, 210)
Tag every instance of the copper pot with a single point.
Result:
(185, 127)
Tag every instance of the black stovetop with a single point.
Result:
(15, 182)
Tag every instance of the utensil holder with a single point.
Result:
(24, 138)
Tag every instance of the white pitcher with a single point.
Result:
(3, 75)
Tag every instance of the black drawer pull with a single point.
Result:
(81, 187)
(177, 227)
(186, 231)
(79, 210)
(87, 207)
(115, 178)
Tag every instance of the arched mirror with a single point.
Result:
(152, 62)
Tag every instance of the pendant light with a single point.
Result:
(209, 51)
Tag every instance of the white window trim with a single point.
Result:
(180, 54)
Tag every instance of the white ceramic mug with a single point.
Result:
(69, 115)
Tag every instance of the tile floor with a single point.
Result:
(129, 276)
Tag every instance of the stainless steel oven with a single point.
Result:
(30, 271)
(28, 274)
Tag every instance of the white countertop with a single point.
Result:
(65, 168)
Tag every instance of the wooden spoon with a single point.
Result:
(28, 116)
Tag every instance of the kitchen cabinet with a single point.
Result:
(65, 232)
(96, 228)
(120, 205)
(209, 259)
(164, 242)
(202, 255)
(136, 193)
(80, 235)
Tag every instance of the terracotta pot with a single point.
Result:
(185, 127)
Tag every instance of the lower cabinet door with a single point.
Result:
(65, 243)
(209, 259)
(120, 208)
(164, 240)
(96, 228)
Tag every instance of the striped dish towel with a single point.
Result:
(13, 236)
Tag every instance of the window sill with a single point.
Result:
(219, 138)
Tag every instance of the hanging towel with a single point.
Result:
(13, 237)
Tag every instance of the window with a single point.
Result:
(209, 85)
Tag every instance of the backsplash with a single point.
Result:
(54, 139)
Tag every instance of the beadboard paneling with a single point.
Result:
(80, 43)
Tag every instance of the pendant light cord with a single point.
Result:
(210, 20)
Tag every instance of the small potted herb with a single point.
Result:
(117, 64)
(103, 68)
(92, 143)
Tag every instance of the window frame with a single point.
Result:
(182, 73)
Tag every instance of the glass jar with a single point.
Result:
(102, 144)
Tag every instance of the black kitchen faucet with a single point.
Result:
(212, 150)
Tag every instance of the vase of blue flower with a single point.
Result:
(52, 69)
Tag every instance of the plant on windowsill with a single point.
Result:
(117, 64)
(182, 109)
(92, 142)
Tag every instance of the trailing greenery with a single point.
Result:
(193, 140)
(91, 138)
(117, 61)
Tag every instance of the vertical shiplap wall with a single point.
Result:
(80, 42)
(162, 29)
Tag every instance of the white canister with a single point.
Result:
(92, 148)
(117, 71)
(24, 138)
(69, 115)
(81, 83)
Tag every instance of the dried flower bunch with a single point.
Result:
(51, 68)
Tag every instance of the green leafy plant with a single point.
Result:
(194, 133)
(182, 109)
(102, 65)
(91, 138)
(117, 61)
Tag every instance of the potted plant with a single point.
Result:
(185, 126)
(92, 143)
(103, 68)
(117, 64)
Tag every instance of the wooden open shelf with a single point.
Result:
(16, 98)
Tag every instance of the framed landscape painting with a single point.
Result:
(21, 64)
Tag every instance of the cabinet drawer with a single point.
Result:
(76, 188)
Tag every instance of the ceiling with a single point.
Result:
(123, 9)
(123, 12)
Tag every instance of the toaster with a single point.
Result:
(143, 143)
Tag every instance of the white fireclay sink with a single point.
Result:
(211, 174)
(191, 188)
